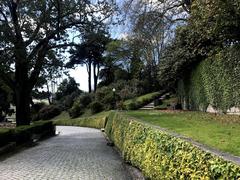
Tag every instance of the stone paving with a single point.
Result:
(77, 153)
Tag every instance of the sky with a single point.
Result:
(81, 77)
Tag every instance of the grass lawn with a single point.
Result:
(142, 99)
(94, 121)
(219, 131)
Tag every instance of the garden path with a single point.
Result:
(77, 153)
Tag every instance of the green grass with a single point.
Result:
(141, 100)
(166, 102)
(218, 131)
(95, 121)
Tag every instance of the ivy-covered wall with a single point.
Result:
(215, 81)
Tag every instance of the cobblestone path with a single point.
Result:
(77, 153)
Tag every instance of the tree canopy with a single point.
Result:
(29, 30)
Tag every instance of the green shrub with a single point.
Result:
(76, 111)
(80, 104)
(93, 122)
(141, 101)
(85, 99)
(49, 112)
(214, 81)
(38, 106)
(6, 136)
(132, 106)
(24, 134)
(161, 156)
(68, 100)
(96, 107)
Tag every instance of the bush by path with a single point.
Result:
(161, 156)
(24, 134)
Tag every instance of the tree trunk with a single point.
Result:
(49, 94)
(94, 77)
(95, 74)
(23, 106)
(89, 77)
(22, 93)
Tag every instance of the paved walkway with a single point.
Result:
(77, 153)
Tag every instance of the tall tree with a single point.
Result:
(90, 53)
(28, 30)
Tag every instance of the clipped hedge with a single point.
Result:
(6, 136)
(162, 156)
(24, 134)
(97, 122)
(136, 103)
(214, 81)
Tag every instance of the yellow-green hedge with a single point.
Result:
(92, 122)
(162, 156)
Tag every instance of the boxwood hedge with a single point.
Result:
(161, 156)
(24, 134)
(97, 122)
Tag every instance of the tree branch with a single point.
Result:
(7, 23)
(13, 10)
(63, 45)
(38, 65)
(39, 25)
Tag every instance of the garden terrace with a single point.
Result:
(217, 131)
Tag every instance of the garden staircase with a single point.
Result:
(149, 106)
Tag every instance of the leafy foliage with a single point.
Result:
(96, 107)
(67, 87)
(30, 33)
(212, 35)
(6, 97)
(138, 102)
(90, 52)
(67, 93)
(80, 105)
(97, 121)
(23, 134)
(162, 156)
(216, 131)
(214, 81)
(49, 112)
